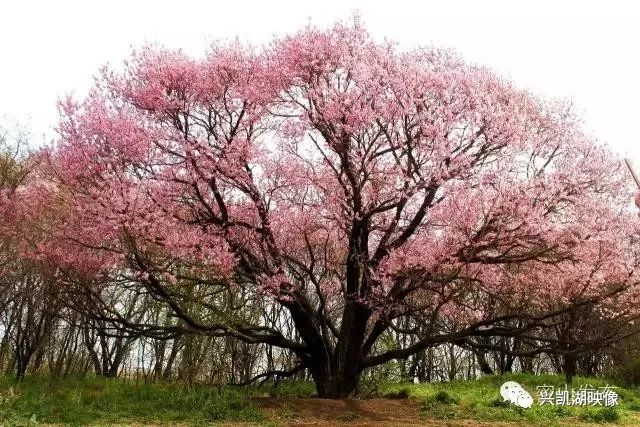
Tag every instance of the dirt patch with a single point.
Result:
(351, 412)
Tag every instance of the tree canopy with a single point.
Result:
(362, 188)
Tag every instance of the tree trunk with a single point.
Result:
(339, 384)
(569, 367)
(336, 371)
(526, 364)
(484, 365)
(175, 348)
(21, 368)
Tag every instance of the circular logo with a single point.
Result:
(514, 393)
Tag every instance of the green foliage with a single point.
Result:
(499, 402)
(401, 393)
(77, 401)
(628, 373)
(287, 388)
(601, 415)
(481, 400)
(443, 398)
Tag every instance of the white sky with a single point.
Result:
(584, 51)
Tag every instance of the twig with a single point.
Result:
(268, 375)
(633, 172)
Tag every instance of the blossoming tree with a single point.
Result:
(361, 188)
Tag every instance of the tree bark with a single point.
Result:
(569, 366)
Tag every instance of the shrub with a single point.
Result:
(440, 398)
(445, 398)
(402, 393)
(499, 403)
(601, 415)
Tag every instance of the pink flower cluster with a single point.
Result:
(266, 159)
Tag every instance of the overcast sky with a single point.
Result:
(587, 52)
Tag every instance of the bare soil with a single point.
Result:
(360, 413)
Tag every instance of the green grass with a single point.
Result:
(99, 401)
(287, 389)
(104, 401)
(481, 400)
